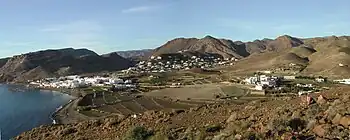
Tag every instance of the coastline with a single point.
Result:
(65, 113)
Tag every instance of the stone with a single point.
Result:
(345, 121)
(330, 112)
(232, 117)
(296, 114)
(249, 107)
(238, 137)
(336, 102)
(311, 124)
(346, 98)
(319, 130)
(336, 119)
(177, 111)
(322, 121)
(220, 136)
(321, 100)
(68, 131)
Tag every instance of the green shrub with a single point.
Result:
(138, 133)
(213, 128)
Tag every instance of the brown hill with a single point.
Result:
(272, 118)
(3, 61)
(303, 51)
(208, 44)
(46, 63)
(290, 58)
(283, 42)
(227, 48)
(326, 56)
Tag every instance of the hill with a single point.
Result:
(46, 63)
(3, 61)
(135, 53)
(271, 119)
(320, 56)
(227, 48)
(208, 44)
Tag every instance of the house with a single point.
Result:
(259, 87)
(289, 77)
(266, 72)
(251, 80)
(343, 81)
(320, 80)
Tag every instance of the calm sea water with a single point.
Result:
(22, 109)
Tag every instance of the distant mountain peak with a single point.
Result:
(209, 37)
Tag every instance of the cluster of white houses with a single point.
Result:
(159, 64)
(262, 81)
(343, 81)
(76, 81)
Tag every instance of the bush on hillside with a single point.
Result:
(138, 133)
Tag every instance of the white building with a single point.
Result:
(289, 77)
(343, 81)
(320, 80)
(258, 87)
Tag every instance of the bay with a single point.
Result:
(22, 109)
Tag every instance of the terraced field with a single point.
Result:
(115, 103)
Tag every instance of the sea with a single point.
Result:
(22, 109)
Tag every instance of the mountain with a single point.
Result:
(283, 42)
(135, 53)
(320, 56)
(47, 63)
(3, 61)
(208, 44)
(227, 48)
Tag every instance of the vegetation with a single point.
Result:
(138, 133)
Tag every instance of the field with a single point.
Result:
(234, 91)
(199, 92)
(115, 103)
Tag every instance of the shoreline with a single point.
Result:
(66, 112)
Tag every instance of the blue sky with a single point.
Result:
(112, 25)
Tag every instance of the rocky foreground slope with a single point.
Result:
(326, 117)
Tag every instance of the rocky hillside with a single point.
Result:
(323, 56)
(326, 116)
(227, 48)
(3, 61)
(208, 44)
(48, 63)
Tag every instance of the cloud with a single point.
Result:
(139, 9)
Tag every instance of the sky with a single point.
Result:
(115, 25)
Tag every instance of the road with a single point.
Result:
(68, 114)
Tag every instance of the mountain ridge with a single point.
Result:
(45, 63)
